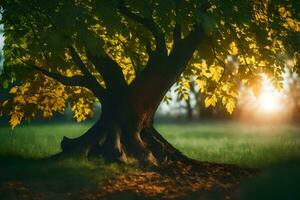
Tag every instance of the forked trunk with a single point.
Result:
(125, 129)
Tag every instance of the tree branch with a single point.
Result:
(76, 58)
(242, 48)
(36, 37)
(176, 34)
(76, 80)
(157, 80)
(89, 78)
(134, 58)
(183, 50)
(147, 23)
(109, 70)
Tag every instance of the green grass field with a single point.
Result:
(232, 142)
(269, 147)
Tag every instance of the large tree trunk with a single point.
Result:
(125, 129)
(124, 133)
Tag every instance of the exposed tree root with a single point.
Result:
(146, 146)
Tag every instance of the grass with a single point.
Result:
(243, 144)
(20, 150)
(63, 179)
(231, 142)
(36, 141)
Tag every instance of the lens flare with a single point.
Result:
(269, 100)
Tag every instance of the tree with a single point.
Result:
(292, 92)
(127, 54)
(198, 97)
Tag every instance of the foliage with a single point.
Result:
(242, 40)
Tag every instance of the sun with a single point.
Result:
(269, 102)
(269, 99)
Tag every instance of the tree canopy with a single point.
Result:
(60, 53)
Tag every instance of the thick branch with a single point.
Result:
(147, 23)
(89, 78)
(176, 34)
(184, 49)
(87, 81)
(76, 58)
(162, 73)
(110, 71)
(76, 80)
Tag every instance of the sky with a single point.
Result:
(1, 46)
(1, 35)
(1, 41)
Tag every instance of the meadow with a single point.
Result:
(273, 148)
(251, 145)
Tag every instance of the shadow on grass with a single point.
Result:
(22, 179)
(63, 179)
(278, 182)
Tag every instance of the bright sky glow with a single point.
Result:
(1, 41)
(269, 99)
(269, 105)
(1, 46)
(1, 37)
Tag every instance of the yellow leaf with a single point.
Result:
(13, 90)
(87, 111)
(32, 99)
(47, 113)
(230, 105)
(69, 72)
(233, 50)
(252, 46)
(281, 9)
(204, 64)
(216, 72)
(201, 84)
(19, 100)
(15, 119)
(204, 69)
(4, 103)
(225, 87)
(79, 117)
(45, 101)
(210, 101)
(77, 91)
(59, 91)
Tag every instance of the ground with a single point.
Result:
(266, 149)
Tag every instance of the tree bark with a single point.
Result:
(123, 131)
(125, 128)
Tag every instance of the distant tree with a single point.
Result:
(127, 54)
(194, 106)
(199, 108)
(293, 94)
(189, 109)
